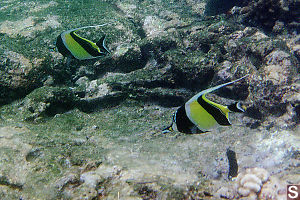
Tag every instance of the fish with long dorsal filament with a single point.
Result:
(200, 115)
(71, 45)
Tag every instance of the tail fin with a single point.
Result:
(101, 45)
(236, 107)
(169, 129)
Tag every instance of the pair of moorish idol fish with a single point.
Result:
(198, 115)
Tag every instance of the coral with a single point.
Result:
(256, 183)
(250, 182)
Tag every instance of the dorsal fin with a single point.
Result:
(84, 27)
(215, 88)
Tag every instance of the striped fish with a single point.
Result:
(70, 45)
(199, 114)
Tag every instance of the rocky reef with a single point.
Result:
(92, 129)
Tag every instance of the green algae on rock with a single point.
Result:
(47, 101)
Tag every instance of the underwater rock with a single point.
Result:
(95, 181)
(112, 182)
(153, 26)
(216, 7)
(290, 119)
(126, 58)
(271, 100)
(156, 47)
(192, 59)
(19, 75)
(147, 85)
(225, 192)
(72, 178)
(278, 27)
(198, 6)
(29, 27)
(273, 68)
(33, 154)
(14, 167)
(294, 46)
(128, 8)
(265, 14)
(279, 68)
(47, 101)
(273, 189)
(165, 24)
(253, 45)
(94, 90)
(94, 95)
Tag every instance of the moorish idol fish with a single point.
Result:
(70, 45)
(199, 114)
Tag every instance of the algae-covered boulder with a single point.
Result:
(47, 101)
(19, 75)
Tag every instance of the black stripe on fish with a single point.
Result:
(86, 45)
(183, 123)
(217, 114)
(62, 48)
